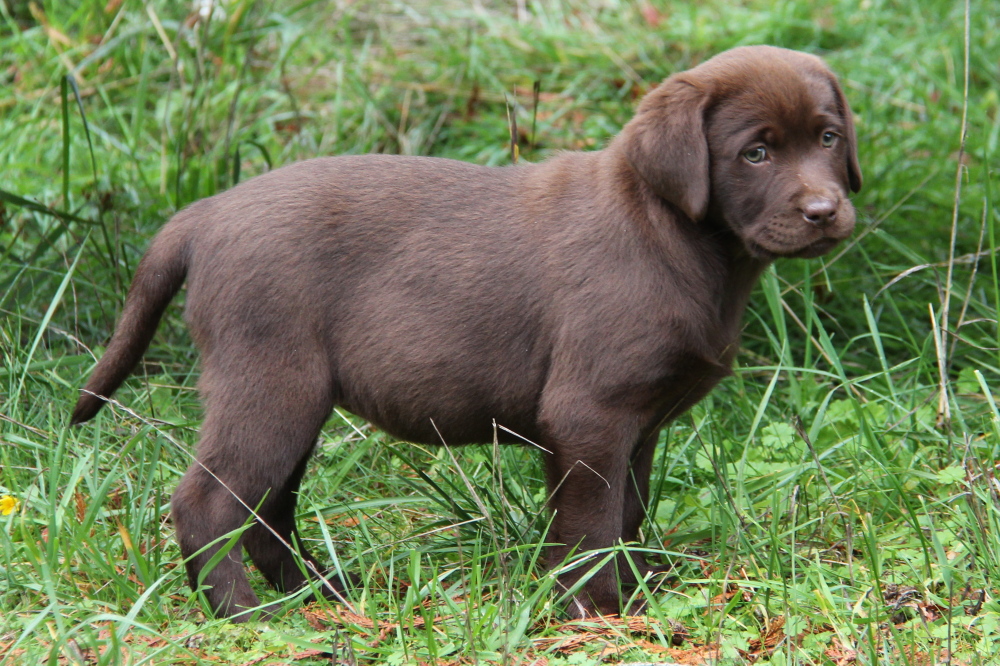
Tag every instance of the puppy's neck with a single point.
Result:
(705, 255)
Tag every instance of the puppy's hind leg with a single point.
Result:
(262, 418)
(274, 545)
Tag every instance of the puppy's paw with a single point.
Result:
(333, 585)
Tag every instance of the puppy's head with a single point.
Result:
(759, 138)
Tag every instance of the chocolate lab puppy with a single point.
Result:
(582, 303)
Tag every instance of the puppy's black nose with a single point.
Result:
(821, 212)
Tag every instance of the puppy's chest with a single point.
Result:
(701, 364)
(688, 370)
(699, 350)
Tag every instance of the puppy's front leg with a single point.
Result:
(587, 474)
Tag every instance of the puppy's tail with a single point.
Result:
(158, 277)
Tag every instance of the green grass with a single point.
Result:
(820, 487)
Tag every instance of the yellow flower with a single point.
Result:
(8, 505)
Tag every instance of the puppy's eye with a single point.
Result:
(828, 139)
(755, 155)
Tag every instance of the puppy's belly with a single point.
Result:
(454, 402)
(454, 423)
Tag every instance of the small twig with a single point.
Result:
(536, 90)
(944, 408)
(523, 438)
(972, 281)
(231, 120)
(40, 433)
(512, 128)
(972, 258)
(938, 330)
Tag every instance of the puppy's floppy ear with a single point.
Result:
(853, 167)
(666, 144)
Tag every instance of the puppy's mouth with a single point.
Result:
(815, 249)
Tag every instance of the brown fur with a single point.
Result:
(582, 302)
